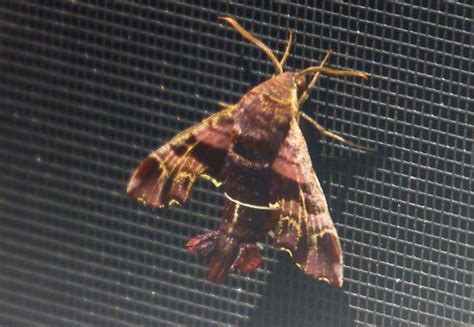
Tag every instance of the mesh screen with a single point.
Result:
(87, 89)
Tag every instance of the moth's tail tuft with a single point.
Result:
(203, 244)
(224, 254)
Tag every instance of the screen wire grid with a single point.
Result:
(89, 88)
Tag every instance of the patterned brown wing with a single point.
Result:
(303, 224)
(167, 175)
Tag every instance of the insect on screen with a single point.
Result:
(88, 89)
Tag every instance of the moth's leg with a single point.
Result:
(333, 135)
(291, 35)
(257, 42)
(315, 78)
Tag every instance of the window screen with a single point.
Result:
(88, 88)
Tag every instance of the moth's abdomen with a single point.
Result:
(247, 180)
(233, 246)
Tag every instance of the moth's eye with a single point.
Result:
(300, 84)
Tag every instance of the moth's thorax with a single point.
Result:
(275, 93)
(264, 114)
(279, 86)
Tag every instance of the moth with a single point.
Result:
(255, 150)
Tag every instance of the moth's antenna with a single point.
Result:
(315, 78)
(255, 41)
(291, 35)
(332, 72)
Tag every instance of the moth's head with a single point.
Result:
(301, 84)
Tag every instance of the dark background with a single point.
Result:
(87, 90)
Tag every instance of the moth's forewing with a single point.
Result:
(304, 226)
(167, 175)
